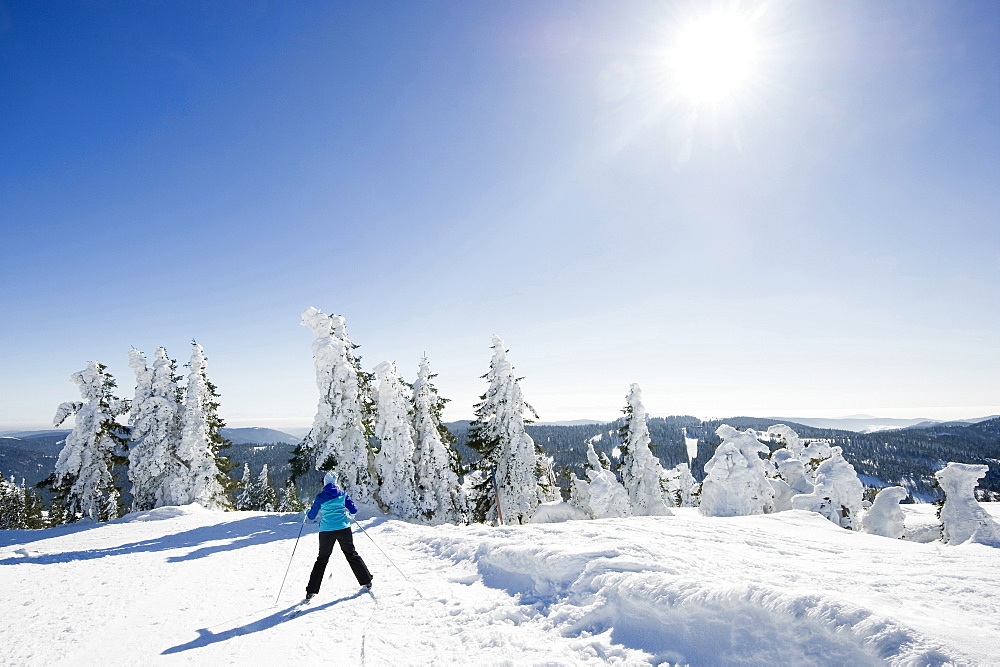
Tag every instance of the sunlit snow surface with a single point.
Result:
(184, 585)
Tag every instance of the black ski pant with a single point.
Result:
(327, 538)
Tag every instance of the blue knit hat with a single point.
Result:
(330, 478)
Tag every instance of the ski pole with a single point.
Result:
(378, 547)
(496, 492)
(282, 587)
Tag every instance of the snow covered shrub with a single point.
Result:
(600, 495)
(837, 493)
(964, 519)
(814, 454)
(83, 478)
(735, 483)
(788, 478)
(345, 414)
(885, 516)
(788, 437)
(497, 434)
(641, 472)
(791, 470)
(677, 483)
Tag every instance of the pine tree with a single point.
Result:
(268, 498)
(156, 431)
(344, 422)
(397, 491)
(288, 499)
(245, 491)
(442, 499)
(203, 479)
(58, 514)
(13, 505)
(83, 477)
(497, 434)
(641, 472)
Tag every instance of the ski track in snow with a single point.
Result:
(189, 586)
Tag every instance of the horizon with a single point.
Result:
(991, 412)
(746, 208)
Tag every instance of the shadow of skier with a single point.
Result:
(206, 637)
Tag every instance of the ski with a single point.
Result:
(299, 608)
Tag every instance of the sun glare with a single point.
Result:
(714, 58)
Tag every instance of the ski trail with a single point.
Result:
(364, 631)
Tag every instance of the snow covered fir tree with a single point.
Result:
(642, 474)
(256, 493)
(401, 459)
(394, 461)
(172, 452)
(83, 479)
(205, 478)
(345, 416)
(156, 421)
(20, 507)
(505, 486)
(442, 497)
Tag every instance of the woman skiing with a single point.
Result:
(332, 505)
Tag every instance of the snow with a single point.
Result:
(735, 478)
(187, 585)
(964, 519)
(885, 517)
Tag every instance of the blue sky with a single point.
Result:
(825, 241)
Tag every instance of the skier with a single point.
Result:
(332, 505)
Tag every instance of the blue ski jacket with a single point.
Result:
(332, 505)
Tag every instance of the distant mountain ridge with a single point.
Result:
(870, 424)
(258, 435)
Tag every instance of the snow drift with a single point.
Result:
(188, 585)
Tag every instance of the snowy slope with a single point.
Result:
(189, 586)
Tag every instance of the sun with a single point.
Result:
(714, 58)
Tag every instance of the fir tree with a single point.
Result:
(204, 478)
(13, 505)
(442, 499)
(344, 422)
(641, 472)
(497, 434)
(245, 491)
(156, 432)
(288, 499)
(268, 497)
(397, 492)
(83, 479)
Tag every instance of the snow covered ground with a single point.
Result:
(189, 586)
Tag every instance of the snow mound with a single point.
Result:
(556, 512)
(597, 591)
(161, 513)
(632, 603)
